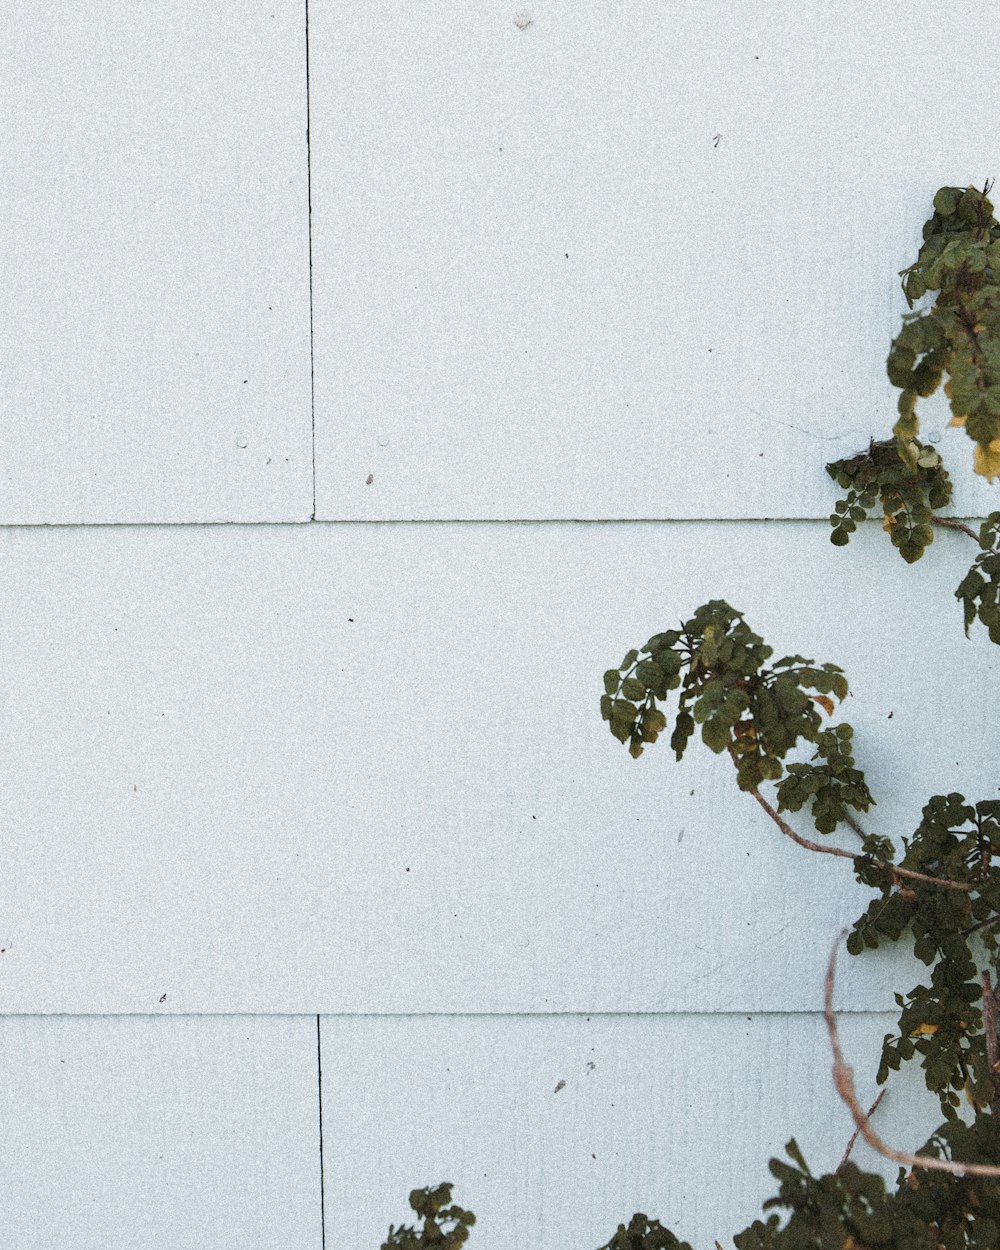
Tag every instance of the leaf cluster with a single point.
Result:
(718, 665)
(445, 1227)
(950, 932)
(979, 590)
(908, 490)
(959, 336)
(828, 788)
(644, 1234)
(851, 1210)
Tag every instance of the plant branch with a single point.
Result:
(854, 1137)
(983, 924)
(894, 870)
(990, 1026)
(843, 1080)
(956, 525)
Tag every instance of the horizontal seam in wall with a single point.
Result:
(714, 520)
(439, 1015)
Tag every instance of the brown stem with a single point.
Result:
(983, 924)
(990, 1026)
(854, 1137)
(956, 525)
(843, 1080)
(895, 871)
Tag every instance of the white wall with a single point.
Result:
(587, 296)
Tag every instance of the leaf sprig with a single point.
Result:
(643, 1233)
(979, 590)
(953, 933)
(851, 1210)
(908, 492)
(718, 664)
(959, 335)
(445, 1227)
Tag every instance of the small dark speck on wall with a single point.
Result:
(163, 998)
(369, 479)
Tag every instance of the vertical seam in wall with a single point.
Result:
(312, 355)
(322, 1185)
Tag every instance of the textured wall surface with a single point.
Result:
(322, 878)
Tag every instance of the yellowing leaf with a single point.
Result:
(825, 702)
(986, 460)
(957, 421)
(889, 522)
(924, 1030)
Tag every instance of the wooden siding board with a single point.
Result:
(362, 768)
(179, 1134)
(555, 1130)
(629, 260)
(154, 316)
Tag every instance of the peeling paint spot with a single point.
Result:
(522, 19)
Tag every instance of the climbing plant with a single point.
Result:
(938, 889)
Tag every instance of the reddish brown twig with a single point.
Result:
(990, 1027)
(854, 1136)
(956, 525)
(843, 1080)
(894, 871)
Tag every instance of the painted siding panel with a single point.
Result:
(361, 768)
(180, 1134)
(154, 317)
(674, 1116)
(623, 259)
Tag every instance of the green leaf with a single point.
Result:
(946, 200)
(716, 734)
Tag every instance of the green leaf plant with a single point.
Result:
(937, 890)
